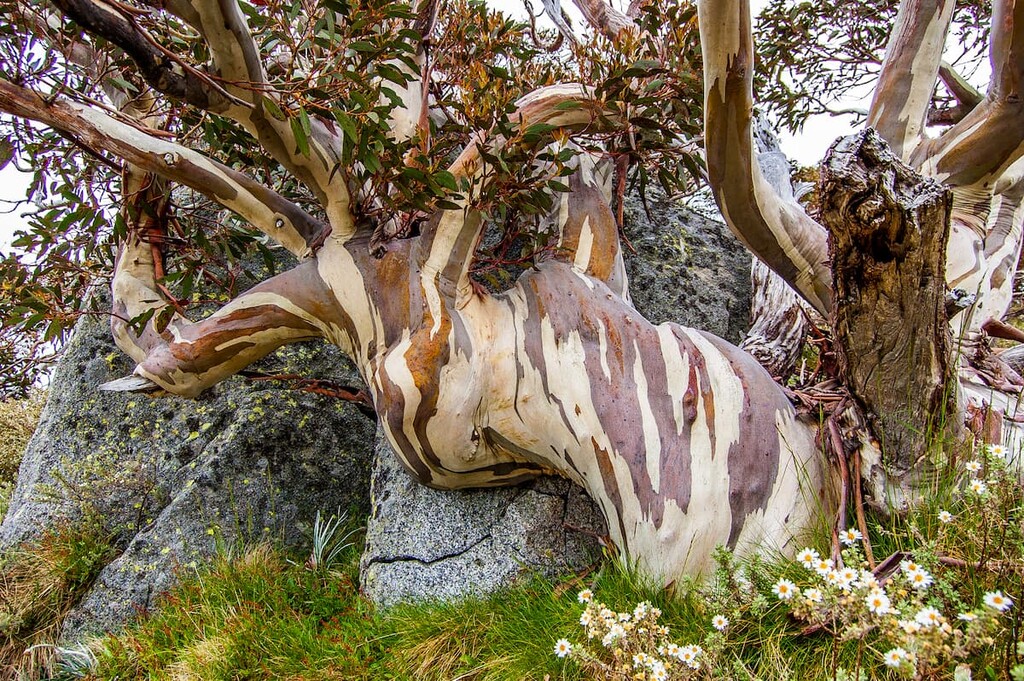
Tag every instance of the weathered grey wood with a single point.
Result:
(778, 324)
(888, 229)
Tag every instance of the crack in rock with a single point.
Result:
(377, 560)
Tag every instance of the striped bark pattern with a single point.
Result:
(684, 440)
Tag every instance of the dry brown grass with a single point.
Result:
(18, 420)
(39, 584)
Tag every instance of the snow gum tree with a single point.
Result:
(379, 142)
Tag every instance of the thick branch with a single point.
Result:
(284, 309)
(609, 21)
(411, 118)
(447, 248)
(159, 70)
(965, 94)
(979, 148)
(267, 210)
(777, 230)
(238, 62)
(905, 84)
(1006, 50)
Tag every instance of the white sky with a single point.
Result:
(807, 149)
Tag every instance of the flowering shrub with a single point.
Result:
(631, 645)
(898, 613)
(906, 624)
(945, 610)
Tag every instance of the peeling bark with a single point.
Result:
(776, 336)
(888, 229)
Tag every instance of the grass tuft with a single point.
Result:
(39, 584)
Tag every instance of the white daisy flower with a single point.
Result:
(909, 626)
(808, 557)
(562, 647)
(973, 466)
(920, 579)
(641, 610)
(672, 650)
(585, 596)
(586, 618)
(688, 656)
(850, 536)
(867, 580)
(928, 617)
(997, 601)
(894, 658)
(823, 566)
(720, 622)
(784, 589)
(998, 451)
(878, 603)
(945, 517)
(967, 617)
(978, 487)
(832, 578)
(813, 595)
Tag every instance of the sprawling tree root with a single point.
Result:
(683, 440)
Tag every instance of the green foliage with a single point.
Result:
(340, 65)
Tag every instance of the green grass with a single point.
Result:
(260, 613)
(257, 614)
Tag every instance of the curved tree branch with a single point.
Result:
(609, 21)
(267, 210)
(447, 248)
(965, 94)
(237, 94)
(237, 58)
(169, 76)
(978, 149)
(777, 230)
(905, 84)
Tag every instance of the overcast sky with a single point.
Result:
(808, 149)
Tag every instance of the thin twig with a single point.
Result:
(858, 501)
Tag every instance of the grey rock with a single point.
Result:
(428, 544)
(175, 480)
(687, 267)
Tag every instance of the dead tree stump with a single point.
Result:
(888, 228)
